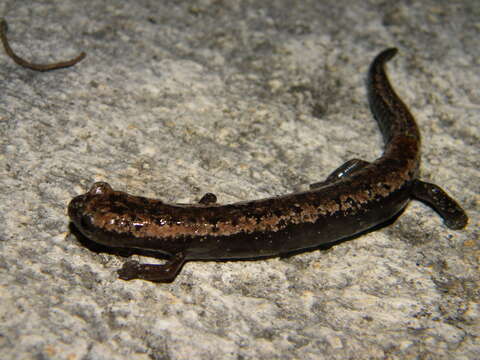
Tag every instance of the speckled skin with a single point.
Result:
(355, 198)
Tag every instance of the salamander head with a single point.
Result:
(84, 209)
(117, 219)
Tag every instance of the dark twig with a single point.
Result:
(29, 65)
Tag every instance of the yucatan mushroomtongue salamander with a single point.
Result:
(356, 197)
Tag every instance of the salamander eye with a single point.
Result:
(100, 188)
(86, 222)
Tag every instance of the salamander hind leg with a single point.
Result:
(347, 169)
(159, 273)
(452, 214)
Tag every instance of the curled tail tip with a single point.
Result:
(391, 51)
(385, 55)
(3, 25)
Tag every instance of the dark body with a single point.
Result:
(356, 197)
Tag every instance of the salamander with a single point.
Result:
(356, 197)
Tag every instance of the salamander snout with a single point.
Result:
(75, 206)
(80, 206)
(76, 209)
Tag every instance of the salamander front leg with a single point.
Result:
(453, 215)
(159, 273)
(348, 168)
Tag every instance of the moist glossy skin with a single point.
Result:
(356, 197)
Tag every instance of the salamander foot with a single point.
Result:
(159, 273)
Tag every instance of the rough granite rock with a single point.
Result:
(244, 99)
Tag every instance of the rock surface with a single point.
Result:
(246, 100)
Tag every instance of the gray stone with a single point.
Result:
(245, 100)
